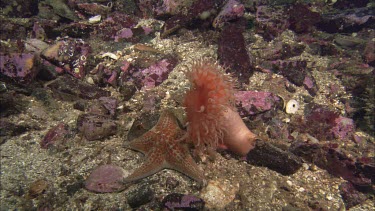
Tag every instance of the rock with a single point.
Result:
(96, 127)
(325, 124)
(110, 104)
(232, 10)
(10, 129)
(37, 188)
(302, 19)
(194, 12)
(108, 29)
(253, 102)
(297, 73)
(20, 8)
(106, 179)
(267, 155)
(232, 53)
(337, 163)
(142, 124)
(156, 73)
(20, 67)
(70, 89)
(343, 128)
(347, 21)
(68, 54)
(56, 136)
(270, 22)
(140, 196)
(94, 8)
(219, 193)
(177, 201)
(350, 195)
(61, 9)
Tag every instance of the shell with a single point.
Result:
(37, 188)
(292, 107)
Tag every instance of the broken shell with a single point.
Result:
(292, 107)
(37, 188)
(95, 19)
(110, 55)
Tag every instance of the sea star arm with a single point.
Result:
(181, 160)
(153, 164)
(142, 144)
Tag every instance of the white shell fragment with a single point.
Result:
(110, 55)
(95, 19)
(292, 107)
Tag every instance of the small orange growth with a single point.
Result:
(210, 95)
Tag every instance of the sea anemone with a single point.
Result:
(211, 115)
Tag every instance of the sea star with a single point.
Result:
(163, 149)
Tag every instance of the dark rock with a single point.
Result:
(297, 73)
(310, 84)
(110, 104)
(21, 68)
(69, 88)
(106, 179)
(294, 71)
(141, 125)
(43, 95)
(77, 30)
(11, 129)
(274, 158)
(61, 9)
(347, 21)
(141, 196)
(182, 20)
(232, 53)
(93, 8)
(177, 201)
(127, 90)
(302, 19)
(369, 53)
(337, 163)
(232, 10)
(282, 50)
(350, 195)
(277, 129)
(347, 4)
(14, 28)
(79, 105)
(95, 127)
(74, 188)
(270, 22)
(56, 136)
(12, 103)
(20, 8)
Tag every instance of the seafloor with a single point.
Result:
(134, 69)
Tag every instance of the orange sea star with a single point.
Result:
(163, 150)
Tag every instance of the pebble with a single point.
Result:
(95, 19)
(37, 188)
(106, 179)
(140, 196)
(219, 193)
